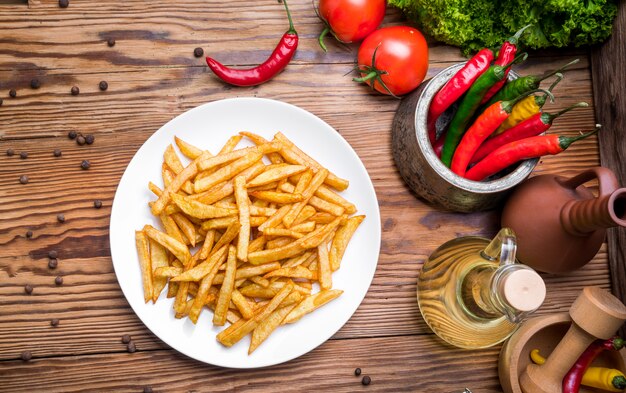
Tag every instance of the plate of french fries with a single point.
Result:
(245, 232)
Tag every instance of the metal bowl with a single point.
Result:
(424, 172)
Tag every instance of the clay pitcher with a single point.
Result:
(559, 223)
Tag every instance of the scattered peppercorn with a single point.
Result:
(147, 389)
(12, 93)
(23, 179)
(53, 254)
(366, 380)
(60, 218)
(131, 347)
(26, 356)
(64, 3)
(35, 83)
(126, 339)
(53, 263)
(111, 42)
(81, 140)
(85, 164)
(103, 85)
(89, 139)
(29, 234)
(54, 322)
(198, 52)
(75, 90)
(10, 152)
(58, 280)
(72, 134)
(97, 203)
(28, 289)
(357, 371)
(23, 155)
(57, 152)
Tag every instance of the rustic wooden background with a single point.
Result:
(152, 77)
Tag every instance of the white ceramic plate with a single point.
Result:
(209, 126)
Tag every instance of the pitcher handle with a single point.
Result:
(606, 179)
(503, 246)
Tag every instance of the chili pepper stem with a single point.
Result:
(558, 70)
(320, 39)
(559, 113)
(619, 382)
(508, 105)
(566, 141)
(513, 40)
(292, 30)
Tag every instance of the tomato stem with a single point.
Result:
(372, 74)
(322, 36)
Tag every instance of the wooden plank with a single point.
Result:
(395, 364)
(610, 97)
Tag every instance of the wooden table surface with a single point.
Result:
(152, 77)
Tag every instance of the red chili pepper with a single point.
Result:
(456, 86)
(524, 149)
(505, 56)
(485, 125)
(572, 380)
(279, 59)
(534, 125)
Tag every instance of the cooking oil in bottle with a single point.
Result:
(473, 294)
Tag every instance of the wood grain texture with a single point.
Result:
(610, 95)
(153, 77)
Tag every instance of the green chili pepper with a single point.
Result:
(521, 85)
(469, 103)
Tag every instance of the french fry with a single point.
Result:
(171, 228)
(172, 289)
(226, 189)
(332, 180)
(278, 242)
(267, 326)
(207, 246)
(171, 159)
(203, 290)
(329, 195)
(257, 244)
(298, 260)
(260, 280)
(155, 189)
(293, 272)
(276, 218)
(319, 203)
(257, 221)
(310, 240)
(250, 271)
(158, 259)
(342, 238)
(144, 263)
(219, 223)
(281, 171)
(275, 158)
(167, 271)
(230, 144)
(200, 210)
(242, 304)
(243, 204)
(231, 335)
(307, 211)
(262, 211)
(312, 303)
(322, 218)
(231, 233)
(303, 182)
(174, 246)
(223, 300)
(188, 150)
(324, 271)
(308, 192)
(304, 227)
(282, 232)
(277, 197)
(186, 227)
(198, 272)
(227, 172)
(188, 173)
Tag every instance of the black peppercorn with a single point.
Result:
(64, 3)
(72, 134)
(357, 371)
(12, 93)
(97, 203)
(54, 322)
(85, 164)
(29, 234)
(57, 152)
(81, 140)
(366, 380)
(23, 155)
(103, 85)
(131, 347)
(111, 42)
(198, 52)
(28, 289)
(53, 254)
(10, 152)
(89, 139)
(58, 280)
(23, 179)
(60, 218)
(75, 90)
(53, 263)
(26, 356)
(35, 83)
(126, 339)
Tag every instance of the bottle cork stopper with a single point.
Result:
(524, 290)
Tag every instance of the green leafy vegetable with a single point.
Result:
(475, 24)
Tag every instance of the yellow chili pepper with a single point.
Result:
(526, 108)
(595, 377)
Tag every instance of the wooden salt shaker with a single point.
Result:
(595, 314)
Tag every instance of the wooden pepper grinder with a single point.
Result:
(595, 314)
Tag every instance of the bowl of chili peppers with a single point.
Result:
(419, 162)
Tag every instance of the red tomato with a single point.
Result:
(351, 20)
(401, 59)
